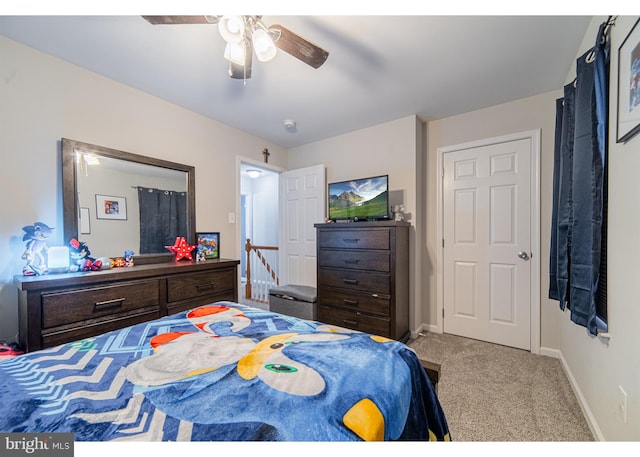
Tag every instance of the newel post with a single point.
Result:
(247, 287)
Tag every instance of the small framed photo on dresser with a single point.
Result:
(209, 244)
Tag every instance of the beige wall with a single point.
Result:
(45, 99)
(391, 148)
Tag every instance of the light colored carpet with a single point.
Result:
(497, 393)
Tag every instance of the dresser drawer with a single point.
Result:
(354, 239)
(368, 303)
(355, 321)
(92, 327)
(184, 287)
(79, 305)
(355, 280)
(356, 259)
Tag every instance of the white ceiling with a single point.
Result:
(380, 68)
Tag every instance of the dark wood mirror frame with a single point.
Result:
(70, 190)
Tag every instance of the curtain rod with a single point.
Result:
(161, 190)
(610, 22)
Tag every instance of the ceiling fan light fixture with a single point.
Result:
(244, 34)
(231, 28)
(236, 53)
(263, 45)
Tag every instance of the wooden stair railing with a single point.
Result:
(271, 277)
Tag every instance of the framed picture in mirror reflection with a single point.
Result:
(110, 207)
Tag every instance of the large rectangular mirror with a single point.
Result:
(116, 201)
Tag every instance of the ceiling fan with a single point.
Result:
(246, 35)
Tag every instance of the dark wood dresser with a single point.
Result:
(363, 276)
(59, 308)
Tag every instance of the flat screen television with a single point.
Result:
(365, 199)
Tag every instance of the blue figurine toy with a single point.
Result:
(36, 236)
(128, 257)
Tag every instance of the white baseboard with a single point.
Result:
(553, 353)
(584, 406)
(424, 328)
(417, 332)
(431, 328)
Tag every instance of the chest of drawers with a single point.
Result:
(56, 309)
(363, 276)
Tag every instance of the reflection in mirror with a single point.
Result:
(116, 201)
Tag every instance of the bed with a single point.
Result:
(224, 372)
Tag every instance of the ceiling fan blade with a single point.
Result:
(298, 47)
(172, 20)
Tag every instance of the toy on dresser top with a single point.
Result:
(81, 259)
(80, 256)
(36, 235)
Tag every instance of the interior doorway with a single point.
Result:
(488, 224)
(258, 219)
(277, 210)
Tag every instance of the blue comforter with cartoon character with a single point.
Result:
(223, 372)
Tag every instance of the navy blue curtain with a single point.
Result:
(578, 178)
(553, 264)
(163, 217)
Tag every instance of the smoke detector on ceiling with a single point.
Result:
(289, 125)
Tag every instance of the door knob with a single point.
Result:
(523, 255)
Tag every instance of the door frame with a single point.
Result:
(534, 137)
(256, 163)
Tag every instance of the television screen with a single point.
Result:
(359, 199)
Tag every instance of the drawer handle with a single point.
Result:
(350, 302)
(351, 240)
(116, 302)
(350, 322)
(351, 282)
(381, 296)
(352, 261)
(200, 287)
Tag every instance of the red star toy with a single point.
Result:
(181, 249)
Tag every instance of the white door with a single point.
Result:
(487, 243)
(302, 204)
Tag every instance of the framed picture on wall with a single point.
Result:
(209, 244)
(109, 207)
(629, 86)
